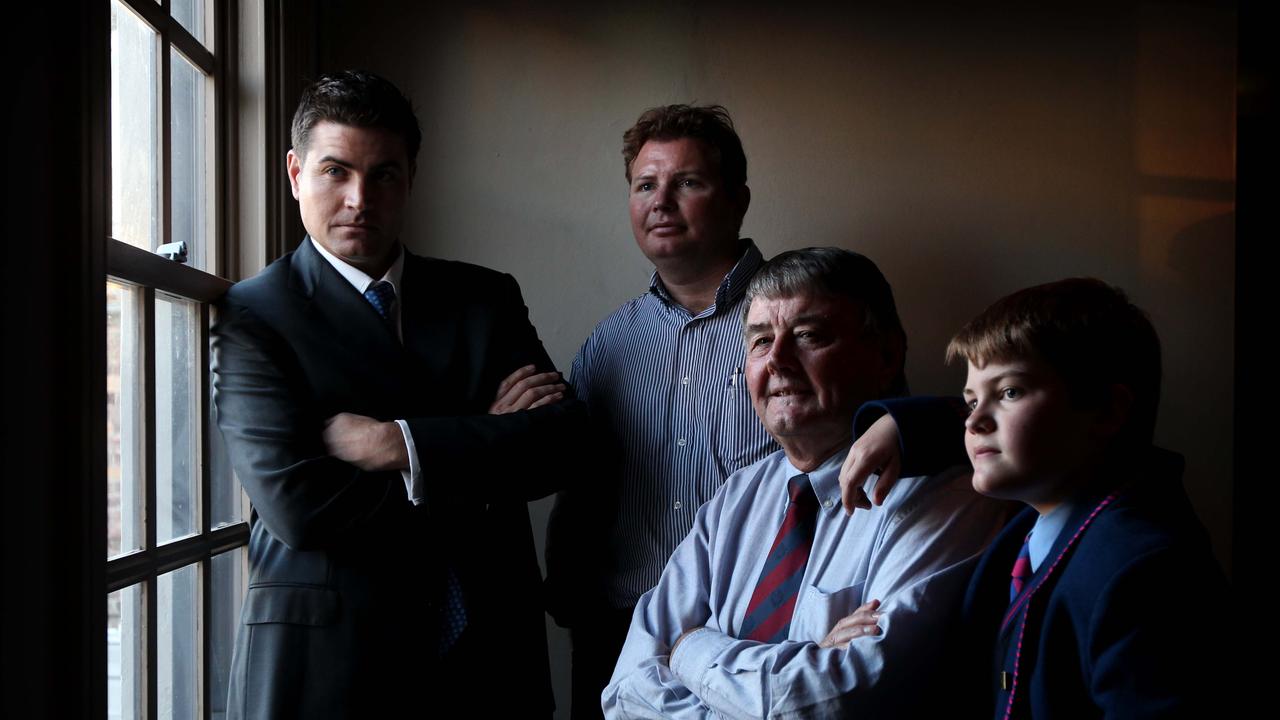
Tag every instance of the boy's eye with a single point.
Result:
(1011, 393)
(972, 404)
(644, 187)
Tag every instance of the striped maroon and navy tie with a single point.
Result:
(768, 616)
(1021, 569)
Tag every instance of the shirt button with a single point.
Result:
(827, 504)
(678, 505)
(684, 380)
(681, 442)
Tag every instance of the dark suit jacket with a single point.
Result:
(1108, 626)
(346, 576)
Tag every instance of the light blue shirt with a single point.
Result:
(1045, 532)
(912, 553)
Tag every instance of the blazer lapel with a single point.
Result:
(429, 323)
(351, 320)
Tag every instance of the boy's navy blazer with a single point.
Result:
(343, 608)
(1111, 624)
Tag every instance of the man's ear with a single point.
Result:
(744, 201)
(293, 163)
(1117, 405)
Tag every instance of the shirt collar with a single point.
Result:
(357, 277)
(825, 479)
(731, 288)
(1045, 532)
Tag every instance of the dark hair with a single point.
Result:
(840, 273)
(710, 123)
(1083, 328)
(360, 99)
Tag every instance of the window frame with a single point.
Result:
(224, 254)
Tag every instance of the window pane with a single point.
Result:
(135, 132)
(191, 14)
(227, 592)
(126, 653)
(125, 415)
(177, 644)
(191, 108)
(225, 496)
(177, 424)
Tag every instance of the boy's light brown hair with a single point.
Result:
(1087, 331)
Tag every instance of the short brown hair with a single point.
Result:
(1083, 328)
(360, 99)
(709, 123)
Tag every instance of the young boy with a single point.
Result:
(1094, 600)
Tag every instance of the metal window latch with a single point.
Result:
(176, 251)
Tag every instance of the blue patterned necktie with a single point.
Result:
(382, 296)
(453, 618)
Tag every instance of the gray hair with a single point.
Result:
(840, 273)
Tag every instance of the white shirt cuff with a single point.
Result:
(413, 476)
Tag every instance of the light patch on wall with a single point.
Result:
(1184, 104)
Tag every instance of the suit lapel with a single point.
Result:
(429, 322)
(350, 319)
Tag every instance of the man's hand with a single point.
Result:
(368, 444)
(524, 390)
(861, 622)
(877, 451)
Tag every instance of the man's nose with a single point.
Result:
(781, 355)
(357, 194)
(664, 198)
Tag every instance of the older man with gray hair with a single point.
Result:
(779, 601)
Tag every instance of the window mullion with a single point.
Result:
(166, 136)
(204, 417)
(206, 647)
(151, 630)
(151, 592)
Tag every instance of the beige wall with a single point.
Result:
(968, 153)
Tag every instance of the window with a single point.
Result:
(176, 517)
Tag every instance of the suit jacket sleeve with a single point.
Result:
(479, 458)
(930, 430)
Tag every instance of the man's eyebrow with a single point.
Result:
(755, 328)
(334, 160)
(809, 319)
(339, 161)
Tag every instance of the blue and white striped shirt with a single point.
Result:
(669, 386)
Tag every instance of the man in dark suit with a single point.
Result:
(355, 385)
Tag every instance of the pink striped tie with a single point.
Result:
(1021, 569)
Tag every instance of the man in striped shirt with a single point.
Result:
(663, 377)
